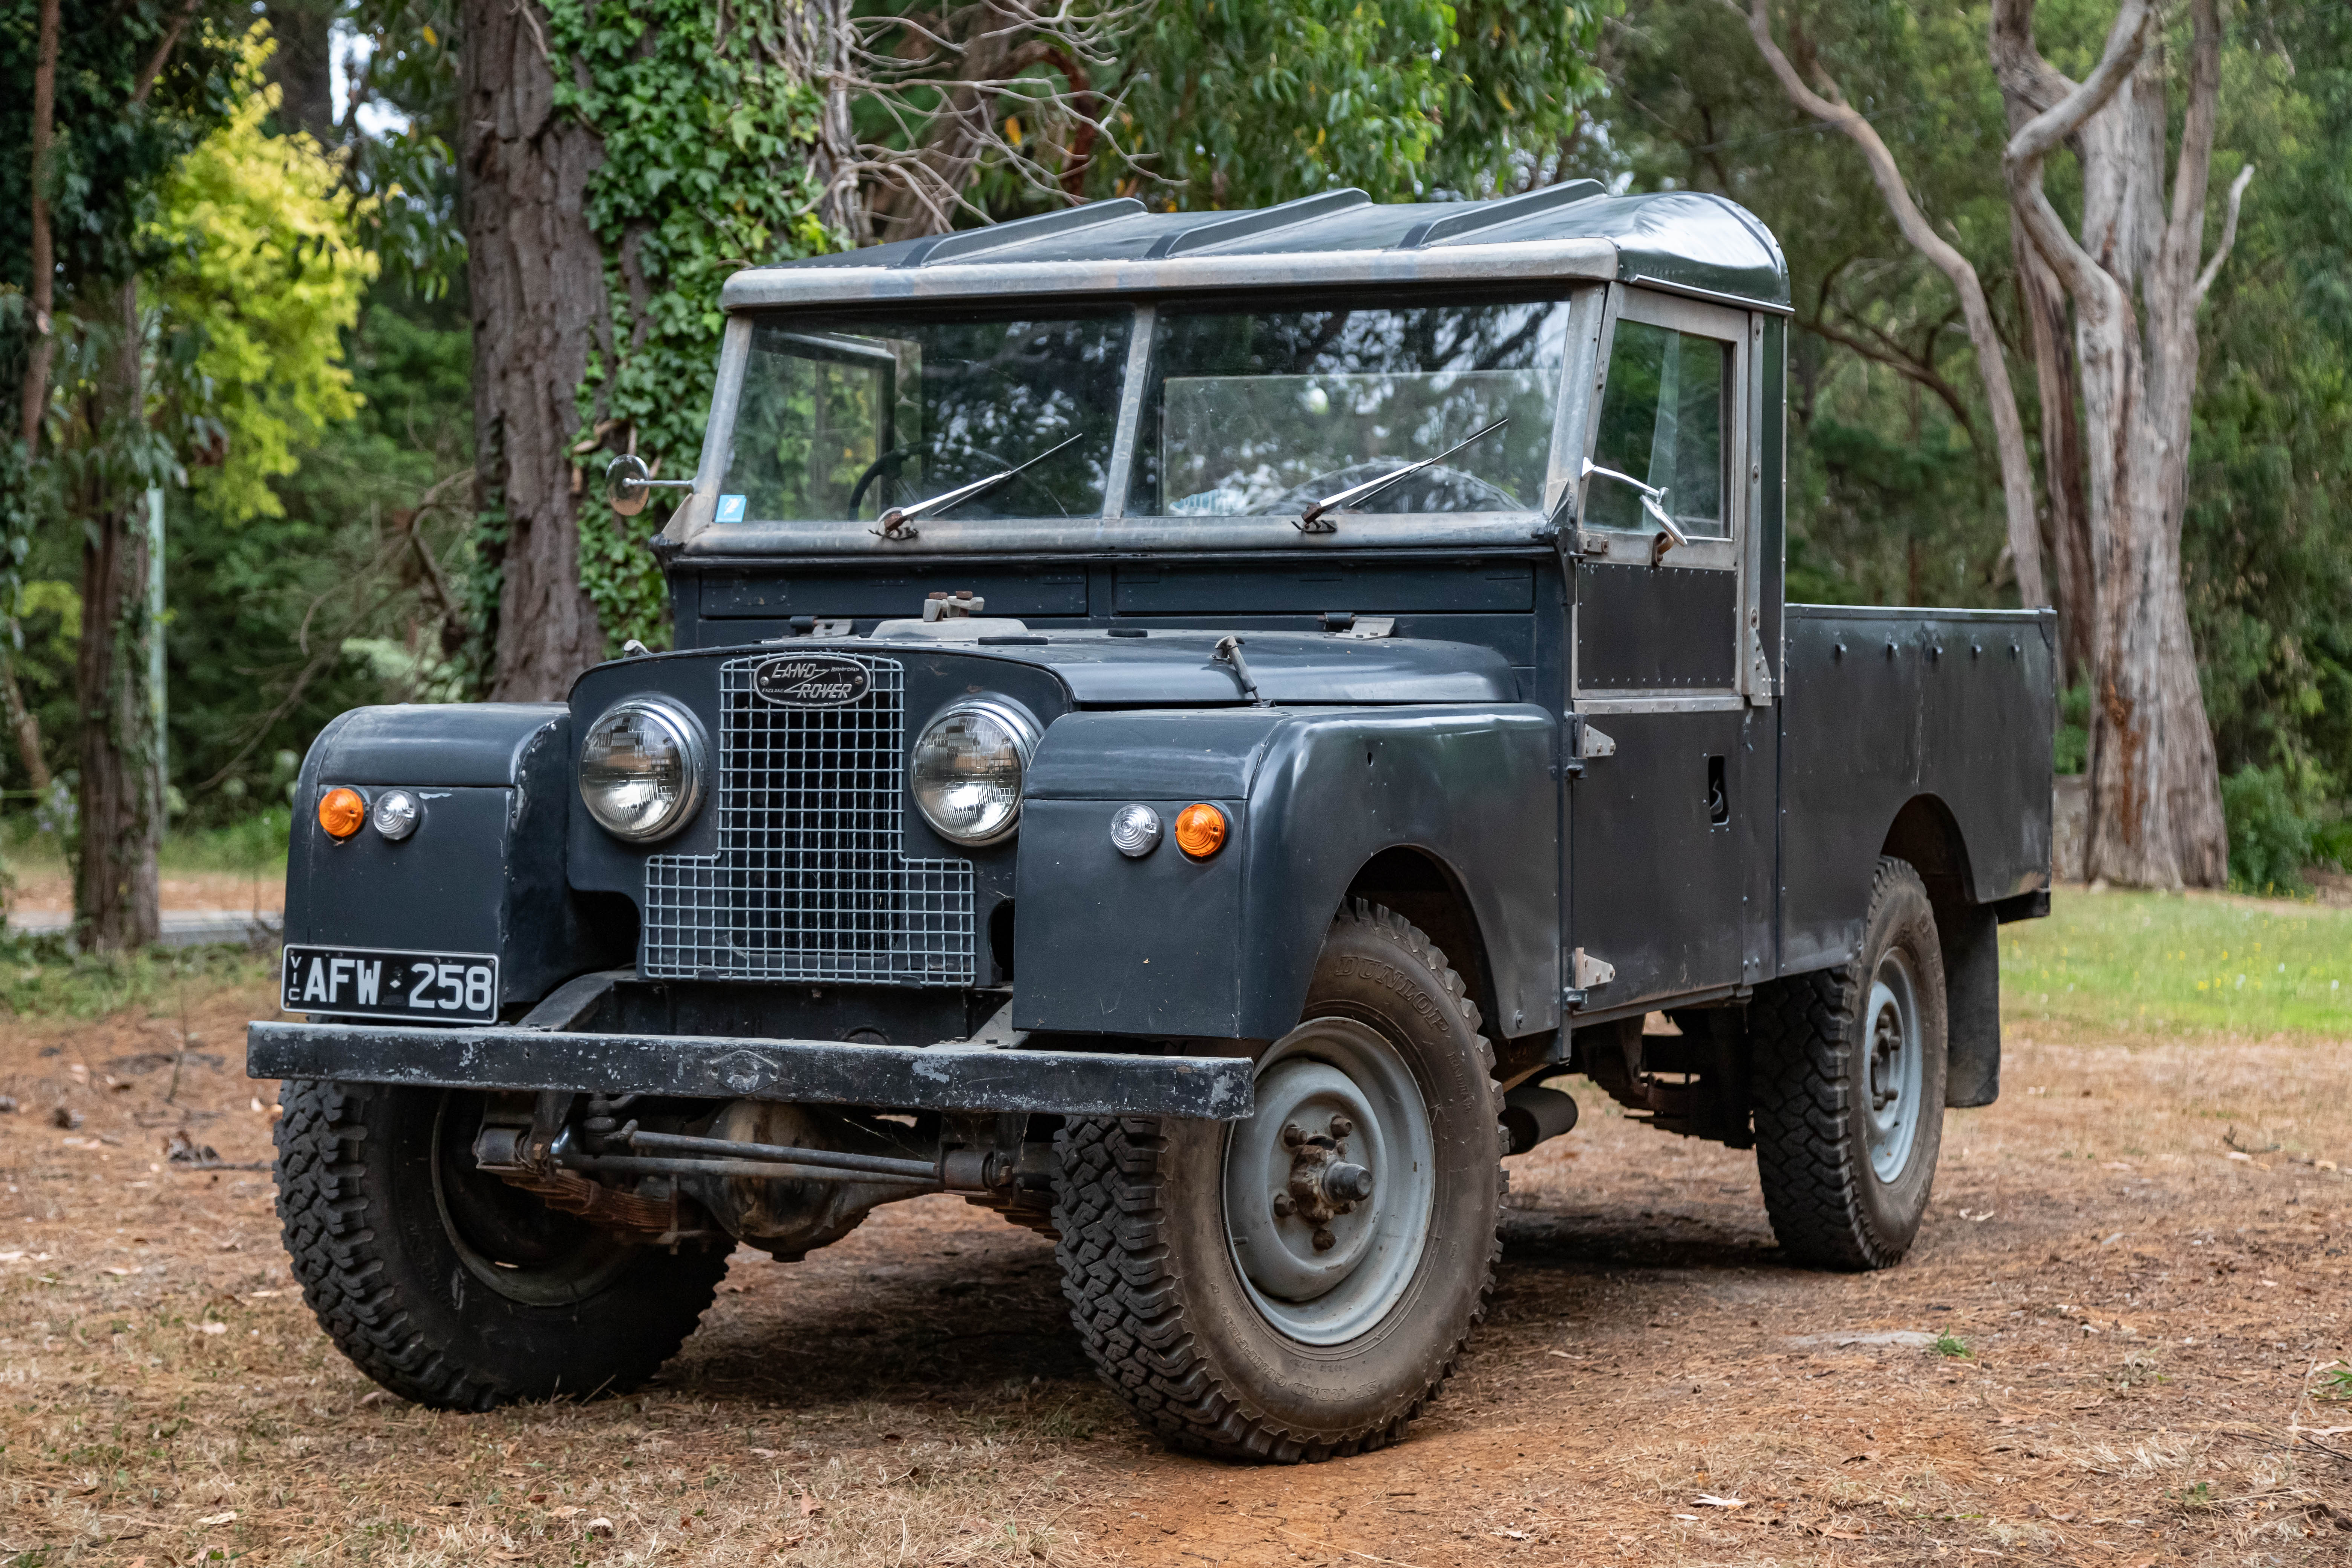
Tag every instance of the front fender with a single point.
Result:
(1225, 948)
(484, 870)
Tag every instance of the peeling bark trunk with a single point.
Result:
(537, 278)
(2051, 336)
(121, 826)
(2133, 275)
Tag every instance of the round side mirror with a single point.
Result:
(627, 484)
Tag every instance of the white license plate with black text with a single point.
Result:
(442, 987)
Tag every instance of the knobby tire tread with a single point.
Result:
(1808, 1156)
(366, 1303)
(1130, 1306)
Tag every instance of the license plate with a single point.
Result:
(423, 987)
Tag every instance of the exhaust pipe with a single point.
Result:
(1532, 1114)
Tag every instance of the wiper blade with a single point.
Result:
(1370, 488)
(894, 522)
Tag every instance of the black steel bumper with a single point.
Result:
(936, 1077)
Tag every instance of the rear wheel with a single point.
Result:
(1299, 1284)
(1849, 1070)
(447, 1285)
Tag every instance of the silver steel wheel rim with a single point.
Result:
(1327, 1067)
(1894, 1066)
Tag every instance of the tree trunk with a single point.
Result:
(304, 68)
(122, 820)
(2043, 304)
(536, 277)
(2155, 808)
(33, 396)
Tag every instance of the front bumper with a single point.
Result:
(950, 1077)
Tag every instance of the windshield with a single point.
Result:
(844, 416)
(1269, 412)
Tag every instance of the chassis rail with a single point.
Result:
(951, 1077)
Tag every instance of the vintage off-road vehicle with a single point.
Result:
(1179, 725)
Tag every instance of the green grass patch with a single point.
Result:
(1951, 1345)
(38, 978)
(2165, 961)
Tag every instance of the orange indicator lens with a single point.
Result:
(1200, 830)
(341, 812)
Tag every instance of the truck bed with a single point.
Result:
(1892, 720)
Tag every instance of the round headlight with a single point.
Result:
(641, 769)
(968, 767)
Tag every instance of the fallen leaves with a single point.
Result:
(228, 1516)
(1709, 1500)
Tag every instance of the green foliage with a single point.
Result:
(259, 262)
(2279, 821)
(705, 171)
(1950, 1345)
(1241, 104)
(2070, 749)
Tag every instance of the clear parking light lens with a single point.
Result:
(1135, 831)
(398, 813)
(968, 769)
(641, 769)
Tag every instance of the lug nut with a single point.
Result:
(1292, 1135)
(1341, 1127)
(1324, 1240)
(1283, 1206)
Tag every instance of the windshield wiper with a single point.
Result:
(894, 522)
(1308, 520)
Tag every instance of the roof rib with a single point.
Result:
(1473, 216)
(1250, 225)
(966, 243)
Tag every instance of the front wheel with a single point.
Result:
(448, 1286)
(1299, 1284)
(1849, 1087)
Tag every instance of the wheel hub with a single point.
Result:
(1323, 1184)
(1894, 1067)
(1328, 1187)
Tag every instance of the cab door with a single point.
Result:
(1671, 811)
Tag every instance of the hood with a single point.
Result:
(1174, 668)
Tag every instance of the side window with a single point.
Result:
(1663, 420)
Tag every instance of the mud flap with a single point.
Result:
(1969, 935)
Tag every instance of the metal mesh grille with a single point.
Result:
(809, 882)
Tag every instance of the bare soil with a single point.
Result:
(2143, 1250)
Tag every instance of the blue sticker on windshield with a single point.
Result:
(730, 509)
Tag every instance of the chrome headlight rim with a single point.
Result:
(1018, 722)
(686, 730)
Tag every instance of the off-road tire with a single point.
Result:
(1828, 1205)
(379, 1269)
(1149, 1273)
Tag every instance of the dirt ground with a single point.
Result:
(2145, 1250)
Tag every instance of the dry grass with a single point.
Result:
(2149, 1322)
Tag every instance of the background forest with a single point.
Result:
(284, 203)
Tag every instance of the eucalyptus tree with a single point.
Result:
(2137, 274)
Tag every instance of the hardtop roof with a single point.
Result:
(1688, 241)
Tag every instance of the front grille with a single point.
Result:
(810, 882)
